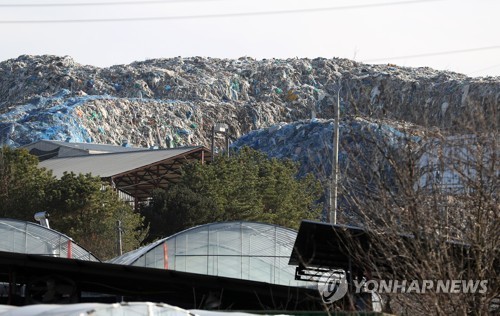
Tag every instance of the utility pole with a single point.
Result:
(119, 241)
(335, 162)
(213, 142)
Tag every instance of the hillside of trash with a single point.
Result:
(310, 142)
(176, 101)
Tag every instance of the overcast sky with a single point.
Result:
(456, 35)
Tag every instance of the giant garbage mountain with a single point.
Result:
(176, 101)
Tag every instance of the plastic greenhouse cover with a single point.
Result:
(245, 250)
(26, 237)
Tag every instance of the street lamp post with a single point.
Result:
(220, 128)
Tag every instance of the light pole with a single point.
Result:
(43, 219)
(221, 128)
(335, 163)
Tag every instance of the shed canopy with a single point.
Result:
(135, 173)
(322, 247)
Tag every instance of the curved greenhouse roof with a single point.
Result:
(244, 250)
(30, 238)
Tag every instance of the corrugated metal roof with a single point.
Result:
(108, 165)
(94, 147)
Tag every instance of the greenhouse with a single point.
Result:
(31, 238)
(243, 250)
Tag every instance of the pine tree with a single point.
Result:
(246, 186)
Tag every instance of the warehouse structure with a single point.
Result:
(46, 149)
(133, 172)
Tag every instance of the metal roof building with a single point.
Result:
(47, 149)
(241, 250)
(136, 173)
(30, 238)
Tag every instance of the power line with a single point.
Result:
(223, 15)
(79, 4)
(450, 52)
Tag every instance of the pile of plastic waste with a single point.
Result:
(176, 101)
(141, 122)
(311, 142)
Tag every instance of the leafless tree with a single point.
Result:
(429, 201)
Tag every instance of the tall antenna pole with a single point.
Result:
(335, 162)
